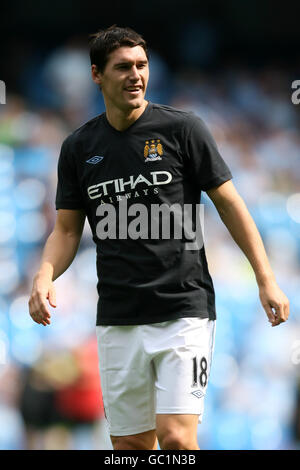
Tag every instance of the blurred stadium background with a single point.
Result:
(233, 64)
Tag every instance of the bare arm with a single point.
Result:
(243, 230)
(59, 252)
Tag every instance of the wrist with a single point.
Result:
(265, 279)
(45, 272)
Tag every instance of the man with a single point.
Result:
(156, 310)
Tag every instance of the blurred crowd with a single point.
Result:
(50, 395)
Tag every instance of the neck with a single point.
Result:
(120, 119)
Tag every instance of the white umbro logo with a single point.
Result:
(95, 159)
(198, 393)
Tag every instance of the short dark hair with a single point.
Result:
(105, 41)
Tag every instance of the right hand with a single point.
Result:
(272, 297)
(42, 290)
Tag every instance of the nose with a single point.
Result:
(134, 74)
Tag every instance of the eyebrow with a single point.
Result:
(128, 62)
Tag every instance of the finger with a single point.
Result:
(44, 309)
(43, 318)
(41, 306)
(32, 311)
(35, 318)
(270, 314)
(280, 318)
(38, 319)
(286, 310)
(280, 312)
(37, 310)
(45, 321)
(52, 297)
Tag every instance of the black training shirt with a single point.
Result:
(167, 156)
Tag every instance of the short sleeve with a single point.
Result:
(205, 162)
(68, 192)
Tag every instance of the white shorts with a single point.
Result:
(152, 369)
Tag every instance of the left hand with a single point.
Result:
(272, 297)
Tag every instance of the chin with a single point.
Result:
(136, 103)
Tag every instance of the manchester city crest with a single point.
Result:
(153, 150)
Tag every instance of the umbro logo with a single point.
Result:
(95, 159)
(198, 393)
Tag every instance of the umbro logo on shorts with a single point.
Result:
(95, 159)
(198, 393)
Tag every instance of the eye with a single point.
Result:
(123, 67)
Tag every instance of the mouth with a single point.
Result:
(133, 91)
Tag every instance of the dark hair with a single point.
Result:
(105, 41)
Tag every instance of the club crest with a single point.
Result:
(153, 150)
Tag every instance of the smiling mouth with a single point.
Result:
(133, 91)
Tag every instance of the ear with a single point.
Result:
(96, 76)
